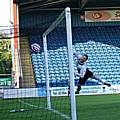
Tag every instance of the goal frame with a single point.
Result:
(67, 15)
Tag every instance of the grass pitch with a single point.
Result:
(100, 107)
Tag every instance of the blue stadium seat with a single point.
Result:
(100, 43)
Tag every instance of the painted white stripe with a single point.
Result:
(52, 110)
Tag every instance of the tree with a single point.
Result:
(5, 55)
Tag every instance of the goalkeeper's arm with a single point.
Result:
(78, 55)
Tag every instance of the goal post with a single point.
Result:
(67, 15)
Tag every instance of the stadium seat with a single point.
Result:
(100, 43)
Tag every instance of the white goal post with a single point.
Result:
(67, 15)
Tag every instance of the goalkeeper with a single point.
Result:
(84, 73)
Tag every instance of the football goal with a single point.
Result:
(67, 15)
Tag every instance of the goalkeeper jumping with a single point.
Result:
(84, 73)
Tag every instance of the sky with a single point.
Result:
(4, 13)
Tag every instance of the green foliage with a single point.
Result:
(5, 55)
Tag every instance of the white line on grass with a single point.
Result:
(52, 110)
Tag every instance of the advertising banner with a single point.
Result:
(5, 81)
(58, 91)
(102, 15)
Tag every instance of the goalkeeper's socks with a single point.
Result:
(78, 87)
(68, 93)
(98, 78)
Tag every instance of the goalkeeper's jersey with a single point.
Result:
(81, 66)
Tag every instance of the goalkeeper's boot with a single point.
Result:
(108, 84)
(76, 92)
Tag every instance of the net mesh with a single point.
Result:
(27, 98)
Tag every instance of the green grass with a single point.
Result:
(105, 107)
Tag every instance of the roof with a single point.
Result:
(36, 5)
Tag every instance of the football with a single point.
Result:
(35, 47)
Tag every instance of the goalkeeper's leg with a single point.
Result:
(83, 80)
(78, 89)
(80, 82)
(99, 79)
(69, 91)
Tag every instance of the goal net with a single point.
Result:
(45, 69)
